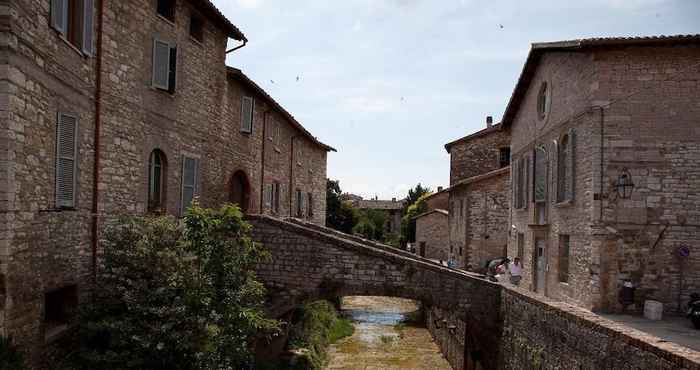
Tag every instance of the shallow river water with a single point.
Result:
(379, 344)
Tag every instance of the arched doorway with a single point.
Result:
(240, 190)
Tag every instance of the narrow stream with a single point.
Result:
(379, 343)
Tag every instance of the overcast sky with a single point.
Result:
(389, 82)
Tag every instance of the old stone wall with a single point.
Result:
(432, 235)
(41, 248)
(570, 100)
(450, 332)
(653, 134)
(543, 334)
(477, 154)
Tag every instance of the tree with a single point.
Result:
(371, 224)
(176, 295)
(411, 210)
(340, 215)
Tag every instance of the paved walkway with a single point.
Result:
(674, 329)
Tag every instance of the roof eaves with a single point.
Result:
(437, 210)
(214, 12)
(235, 72)
(480, 133)
(482, 177)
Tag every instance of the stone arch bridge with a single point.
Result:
(478, 324)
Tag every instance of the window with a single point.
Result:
(277, 134)
(300, 204)
(520, 186)
(300, 155)
(309, 205)
(66, 160)
(564, 247)
(166, 9)
(164, 65)
(60, 309)
(521, 246)
(74, 20)
(504, 157)
(543, 101)
(540, 188)
(272, 197)
(461, 208)
(197, 27)
(460, 251)
(156, 181)
(247, 110)
(190, 176)
(565, 164)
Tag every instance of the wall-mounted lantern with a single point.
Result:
(624, 185)
(452, 329)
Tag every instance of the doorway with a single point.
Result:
(240, 190)
(422, 249)
(540, 266)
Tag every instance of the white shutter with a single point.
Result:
(59, 15)
(161, 64)
(66, 160)
(247, 114)
(189, 182)
(88, 25)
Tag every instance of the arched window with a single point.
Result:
(540, 190)
(543, 100)
(157, 168)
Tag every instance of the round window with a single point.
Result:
(543, 100)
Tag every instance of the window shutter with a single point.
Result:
(88, 26)
(515, 183)
(66, 158)
(161, 64)
(247, 114)
(172, 70)
(189, 182)
(572, 164)
(59, 15)
(526, 183)
(268, 195)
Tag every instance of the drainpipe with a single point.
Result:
(98, 122)
(602, 162)
(291, 176)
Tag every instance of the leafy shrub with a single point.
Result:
(318, 325)
(10, 357)
(175, 295)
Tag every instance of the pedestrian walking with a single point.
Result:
(516, 271)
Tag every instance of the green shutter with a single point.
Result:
(88, 26)
(59, 15)
(66, 160)
(247, 114)
(161, 64)
(189, 182)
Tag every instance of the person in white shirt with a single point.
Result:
(516, 271)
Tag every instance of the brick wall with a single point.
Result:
(433, 234)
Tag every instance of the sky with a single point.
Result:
(389, 82)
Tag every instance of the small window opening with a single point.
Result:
(197, 27)
(166, 9)
(60, 309)
(504, 157)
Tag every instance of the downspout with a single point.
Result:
(98, 123)
(262, 163)
(291, 176)
(602, 162)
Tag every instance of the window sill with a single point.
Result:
(158, 89)
(246, 133)
(538, 226)
(166, 20)
(55, 332)
(70, 45)
(564, 204)
(277, 149)
(196, 41)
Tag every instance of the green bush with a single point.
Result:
(10, 357)
(175, 295)
(318, 325)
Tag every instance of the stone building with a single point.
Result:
(432, 227)
(478, 196)
(606, 169)
(392, 208)
(125, 107)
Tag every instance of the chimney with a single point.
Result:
(393, 200)
(489, 121)
(440, 188)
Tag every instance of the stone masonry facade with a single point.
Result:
(587, 118)
(478, 196)
(158, 147)
(432, 237)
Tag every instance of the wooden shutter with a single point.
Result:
(66, 160)
(247, 114)
(526, 183)
(268, 196)
(161, 64)
(88, 26)
(59, 15)
(571, 183)
(189, 182)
